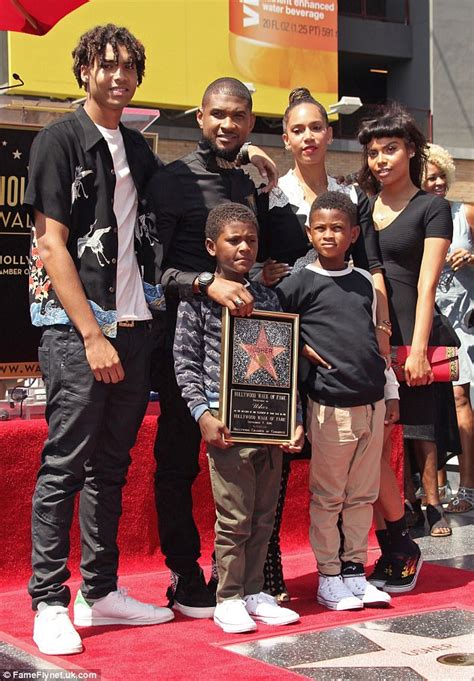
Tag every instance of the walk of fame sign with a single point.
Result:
(259, 359)
(427, 646)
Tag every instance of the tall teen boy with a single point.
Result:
(346, 409)
(87, 176)
(245, 478)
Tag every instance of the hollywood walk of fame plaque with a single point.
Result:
(259, 358)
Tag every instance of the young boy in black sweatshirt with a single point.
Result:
(346, 409)
(245, 478)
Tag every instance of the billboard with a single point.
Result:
(274, 45)
(18, 340)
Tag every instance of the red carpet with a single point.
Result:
(187, 648)
(184, 648)
(20, 447)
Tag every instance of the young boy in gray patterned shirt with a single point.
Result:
(245, 478)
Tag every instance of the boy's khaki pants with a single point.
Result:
(245, 483)
(346, 446)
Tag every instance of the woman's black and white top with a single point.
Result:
(283, 235)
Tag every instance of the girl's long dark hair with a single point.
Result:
(393, 121)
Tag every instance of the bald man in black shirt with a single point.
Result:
(181, 196)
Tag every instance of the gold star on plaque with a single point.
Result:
(262, 354)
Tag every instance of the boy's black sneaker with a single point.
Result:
(189, 594)
(380, 573)
(403, 572)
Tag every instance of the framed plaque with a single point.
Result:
(259, 364)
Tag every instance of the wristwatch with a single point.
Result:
(205, 279)
(243, 157)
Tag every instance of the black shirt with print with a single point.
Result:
(72, 180)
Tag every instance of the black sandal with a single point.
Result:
(437, 521)
(414, 516)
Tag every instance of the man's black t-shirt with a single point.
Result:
(181, 196)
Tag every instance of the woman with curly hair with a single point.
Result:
(454, 298)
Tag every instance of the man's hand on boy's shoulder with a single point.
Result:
(392, 412)
(231, 294)
(273, 271)
(214, 431)
(296, 444)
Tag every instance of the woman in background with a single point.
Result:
(454, 296)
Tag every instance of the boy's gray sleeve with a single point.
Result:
(188, 351)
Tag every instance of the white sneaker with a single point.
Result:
(118, 608)
(53, 632)
(335, 595)
(231, 616)
(265, 608)
(367, 592)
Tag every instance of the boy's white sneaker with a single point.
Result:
(53, 632)
(264, 608)
(118, 608)
(335, 595)
(231, 616)
(367, 592)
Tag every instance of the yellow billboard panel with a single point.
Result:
(274, 45)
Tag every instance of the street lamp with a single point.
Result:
(346, 105)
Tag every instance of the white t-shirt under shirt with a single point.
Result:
(130, 299)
